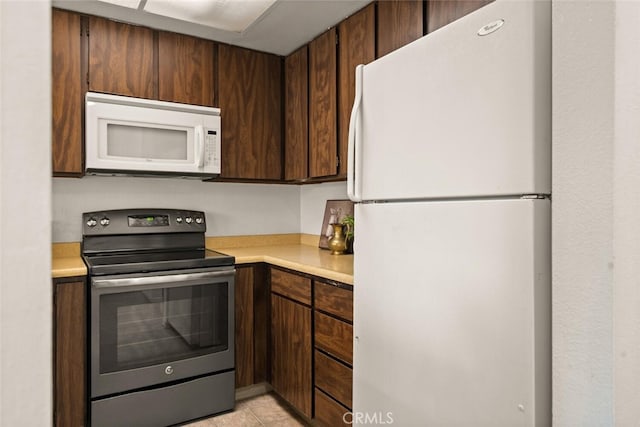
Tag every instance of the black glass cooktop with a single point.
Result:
(138, 262)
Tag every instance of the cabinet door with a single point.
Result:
(399, 23)
(250, 91)
(443, 12)
(69, 353)
(185, 69)
(66, 93)
(121, 59)
(291, 352)
(356, 46)
(244, 326)
(296, 115)
(323, 146)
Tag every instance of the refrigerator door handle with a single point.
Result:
(354, 157)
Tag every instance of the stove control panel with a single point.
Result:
(142, 221)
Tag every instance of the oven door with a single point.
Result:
(153, 329)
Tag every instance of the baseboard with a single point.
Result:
(252, 391)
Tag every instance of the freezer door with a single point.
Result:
(452, 321)
(455, 114)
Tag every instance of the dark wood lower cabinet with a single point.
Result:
(333, 340)
(291, 372)
(329, 412)
(244, 327)
(251, 321)
(334, 336)
(334, 378)
(69, 364)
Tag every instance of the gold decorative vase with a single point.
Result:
(337, 244)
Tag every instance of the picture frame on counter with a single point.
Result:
(334, 212)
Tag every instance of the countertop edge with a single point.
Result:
(302, 268)
(63, 267)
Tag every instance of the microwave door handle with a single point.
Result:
(199, 146)
(354, 157)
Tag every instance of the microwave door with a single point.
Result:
(128, 138)
(158, 147)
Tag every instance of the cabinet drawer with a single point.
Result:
(329, 412)
(334, 300)
(334, 336)
(334, 378)
(291, 285)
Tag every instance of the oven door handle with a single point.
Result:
(177, 279)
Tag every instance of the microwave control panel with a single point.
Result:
(211, 151)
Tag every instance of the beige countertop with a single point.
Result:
(66, 261)
(297, 252)
(298, 257)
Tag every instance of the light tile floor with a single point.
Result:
(266, 410)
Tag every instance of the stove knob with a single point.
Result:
(188, 220)
(104, 221)
(92, 222)
(199, 220)
(179, 220)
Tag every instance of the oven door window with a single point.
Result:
(150, 327)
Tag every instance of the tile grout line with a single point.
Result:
(256, 416)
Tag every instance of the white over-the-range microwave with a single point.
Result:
(132, 136)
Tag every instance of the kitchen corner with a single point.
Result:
(289, 270)
(297, 252)
(294, 251)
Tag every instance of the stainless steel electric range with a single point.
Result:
(161, 318)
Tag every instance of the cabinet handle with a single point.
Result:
(354, 158)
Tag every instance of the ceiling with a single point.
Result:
(281, 29)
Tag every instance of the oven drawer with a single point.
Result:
(334, 336)
(291, 285)
(166, 405)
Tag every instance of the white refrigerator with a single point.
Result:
(450, 163)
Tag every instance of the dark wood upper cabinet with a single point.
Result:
(323, 133)
(443, 12)
(185, 69)
(356, 45)
(296, 115)
(66, 93)
(250, 97)
(122, 59)
(399, 22)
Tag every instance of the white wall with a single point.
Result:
(596, 213)
(231, 209)
(25, 190)
(313, 199)
(583, 100)
(626, 225)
